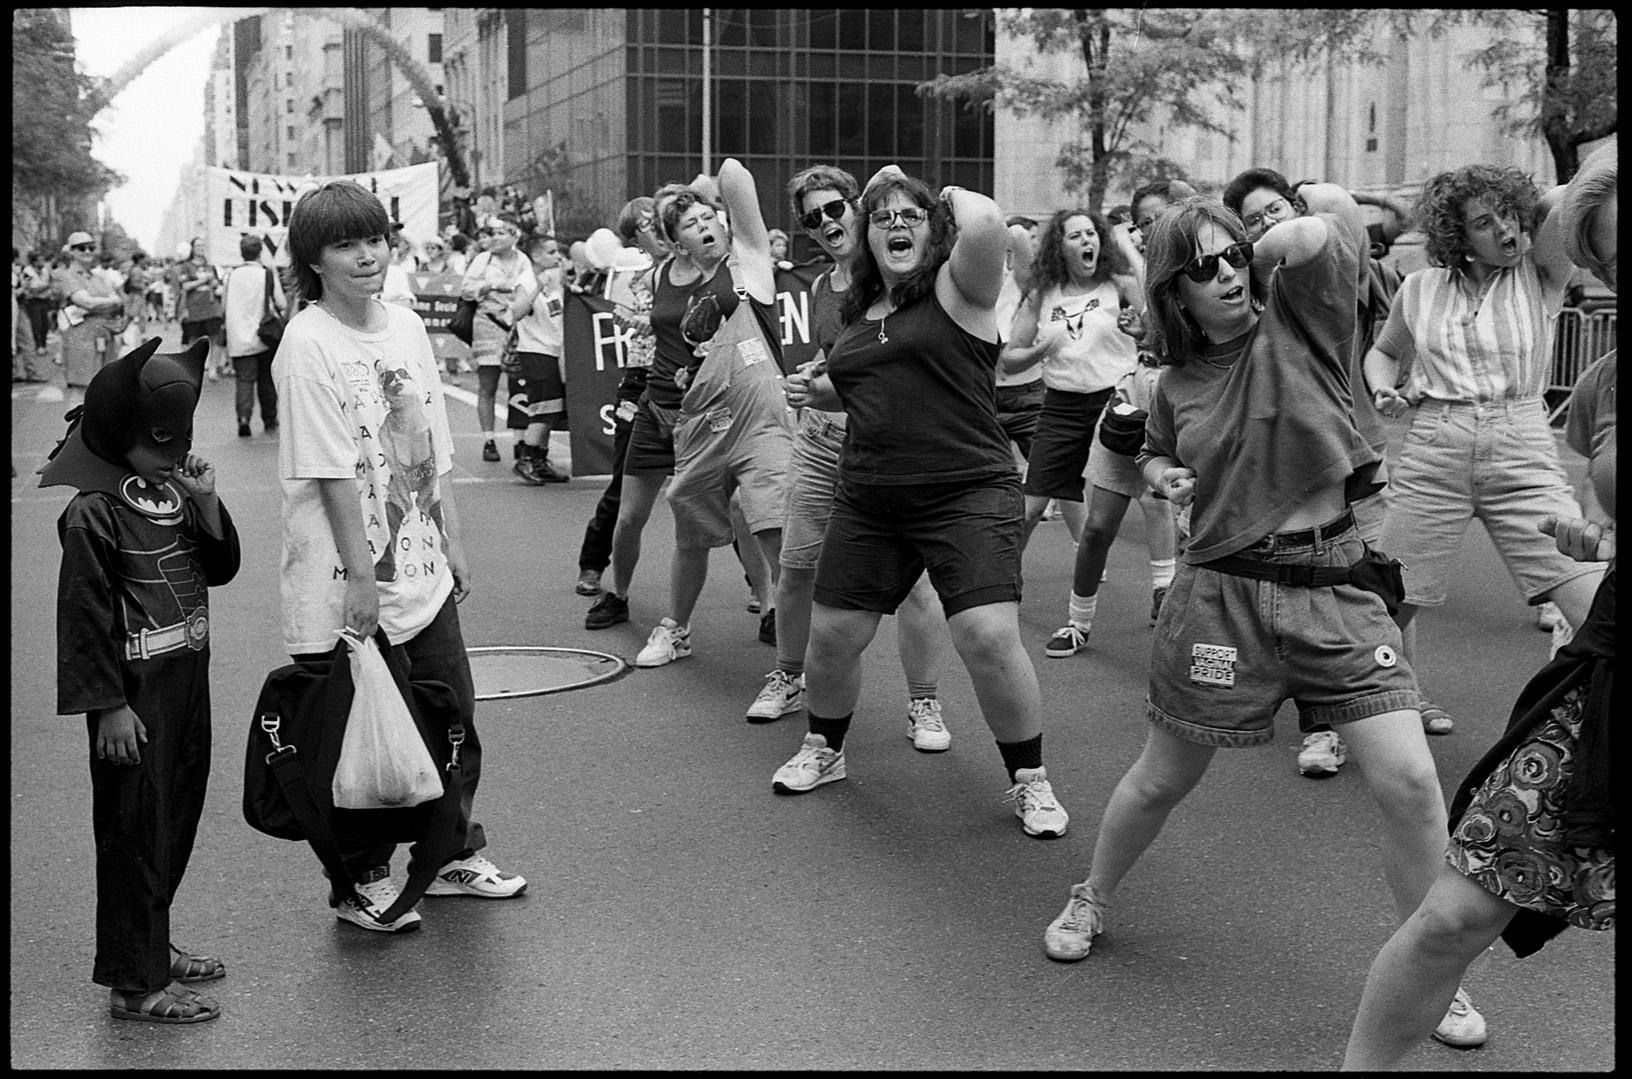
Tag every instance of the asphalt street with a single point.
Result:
(680, 915)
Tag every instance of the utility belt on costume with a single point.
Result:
(147, 643)
(1374, 572)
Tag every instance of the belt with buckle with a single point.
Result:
(147, 643)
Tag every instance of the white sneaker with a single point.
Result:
(1463, 1027)
(925, 726)
(809, 768)
(375, 894)
(1034, 803)
(1070, 936)
(784, 694)
(1323, 753)
(669, 641)
(476, 876)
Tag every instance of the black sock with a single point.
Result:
(1018, 755)
(831, 729)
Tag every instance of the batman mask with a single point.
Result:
(143, 398)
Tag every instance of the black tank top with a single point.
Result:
(922, 404)
(671, 304)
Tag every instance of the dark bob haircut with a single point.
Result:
(340, 210)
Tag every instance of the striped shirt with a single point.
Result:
(1457, 342)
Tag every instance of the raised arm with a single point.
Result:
(1552, 263)
(750, 239)
(976, 262)
(1295, 242)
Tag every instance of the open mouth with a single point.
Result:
(1233, 294)
(833, 234)
(899, 245)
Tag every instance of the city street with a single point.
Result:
(681, 915)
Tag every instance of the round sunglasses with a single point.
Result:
(1203, 268)
(813, 218)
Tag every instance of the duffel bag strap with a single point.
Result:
(285, 764)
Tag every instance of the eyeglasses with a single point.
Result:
(911, 216)
(1254, 222)
(813, 218)
(83, 247)
(1204, 268)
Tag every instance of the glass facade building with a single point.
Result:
(606, 104)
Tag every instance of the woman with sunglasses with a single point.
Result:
(1251, 422)
(1081, 281)
(826, 202)
(927, 481)
(492, 280)
(90, 319)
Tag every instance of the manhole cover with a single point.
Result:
(504, 671)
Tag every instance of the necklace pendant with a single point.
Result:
(883, 340)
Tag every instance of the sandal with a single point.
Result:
(195, 968)
(168, 1005)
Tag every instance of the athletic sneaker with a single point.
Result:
(1069, 937)
(476, 876)
(809, 768)
(375, 894)
(1157, 595)
(1035, 804)
(925, 726)
(1323, 753)
(1067, 641)
(589, 583)
(767, 627)
(609, 610)
(1463, 1027)
(1435, 720)
(669, 641)
(783, 695)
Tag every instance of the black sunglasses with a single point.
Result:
(834, 209)
(83, 247)
(1203, 268)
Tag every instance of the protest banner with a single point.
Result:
(260, 203)
(597, 350)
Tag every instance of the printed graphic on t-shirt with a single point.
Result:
(402, 511)
(1073, 321)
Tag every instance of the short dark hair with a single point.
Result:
(1169, 190)
(818, 177)
(1245, 183)
(629, 217)
(339, 210)
(673, 200)
(1172, 335)
(249, 246)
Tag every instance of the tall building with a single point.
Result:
(221, 106)
(386, 124)
(601, 104)
(266, 56)
(319, 82)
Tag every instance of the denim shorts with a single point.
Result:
(881, 538)
(1059, 450)
(816, 448)
(1227, 651)
(1497, 462)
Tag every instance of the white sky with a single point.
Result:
(153, 128)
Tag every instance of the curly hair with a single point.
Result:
(1172, 335)
(866, 281)
(1049, 268)
(1439, 210)
(821, 178)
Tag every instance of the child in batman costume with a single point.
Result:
(142, 540)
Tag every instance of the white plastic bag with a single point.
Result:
(383, 760)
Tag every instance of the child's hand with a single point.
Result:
(196, 476)
(118, 732)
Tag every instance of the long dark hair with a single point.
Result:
(1172, 335)
(866, 283)
(1050, 270)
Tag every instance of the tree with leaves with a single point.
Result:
(1139, 64)
(51, 109)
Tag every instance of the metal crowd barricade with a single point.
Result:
(1580, 338)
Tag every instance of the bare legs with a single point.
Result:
(1073, 512)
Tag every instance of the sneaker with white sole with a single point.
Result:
(375, 894)
(1323, 753)
(669, 641)
(1069, 937)
(1034, 803)
(1067, 641)
(1463, 1027)
(476, 876)
(783, 695)
(809, 768)
(925, 726)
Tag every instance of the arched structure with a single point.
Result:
(351, 18)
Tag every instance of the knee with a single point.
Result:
(1411, 792)
(1449, 929)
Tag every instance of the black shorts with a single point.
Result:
(538, 393)
(651, 443)
(881, 538)
(1017, 410)
(1059, 450)
(204, 327)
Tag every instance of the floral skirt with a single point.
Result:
(1510, 841)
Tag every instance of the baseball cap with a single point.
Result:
(75, 238)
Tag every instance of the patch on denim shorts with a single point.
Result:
(1212, 665)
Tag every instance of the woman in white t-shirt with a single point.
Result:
(492, 279)
(537, 315)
